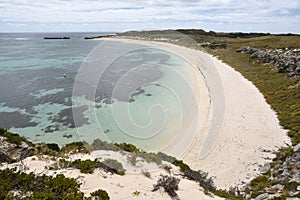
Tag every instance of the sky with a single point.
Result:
(273, 16)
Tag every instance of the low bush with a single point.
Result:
(202, 178)
(259, 183)
(102, 145)
(166, 157)
(136, 193)
(76, 147)
(254, 194)
(13, 138)
(169, 183)
(150, 157)
(113, 165)
(225, 194)
(37, 187)
(100, 195)
(53, 146)
(88, 166)
(85, 166)
(128, 147)
(291, 186)
(6, 158)
(183, 167)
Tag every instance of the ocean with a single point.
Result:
(60, 91)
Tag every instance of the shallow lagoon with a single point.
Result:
(142, 96)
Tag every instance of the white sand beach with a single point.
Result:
(248, 133)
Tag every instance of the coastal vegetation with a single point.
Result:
(269, 182)
(100, 195)
(170, 185)
(60, 155)
(12, 137)
(18, 185)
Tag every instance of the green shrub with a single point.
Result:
(38, 187)
(259, 184)
(291, 186)
(128, 147)
(183, 167)
(85, 166)
(136, 193)
(202, 178)
(88, 166)
(100, 195)
(53, 146)
(225, 194)
(102, 145)
(150, 157)
(254, 194)
(6, 158)
(13, 138)
(74, 147)
(166, 157)
(2, 131)
(112, 164)
(222, 193)
(47, 149)
(169, 183)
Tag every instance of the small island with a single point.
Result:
(57, 38)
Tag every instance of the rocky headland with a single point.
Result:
(285, 60)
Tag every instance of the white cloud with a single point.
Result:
(221, 15)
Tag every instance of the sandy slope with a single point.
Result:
(118, 187)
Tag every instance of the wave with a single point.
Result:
(14, 38)
(21, 38)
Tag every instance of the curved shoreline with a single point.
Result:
(250, 132)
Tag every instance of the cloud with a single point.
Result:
(119, 15)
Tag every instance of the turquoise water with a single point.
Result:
(144, 96)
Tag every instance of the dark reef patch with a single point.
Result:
(65, 118)
(16, 120)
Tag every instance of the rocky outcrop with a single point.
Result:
(10, 152)
(247, 50)
(279, 179)
(282, 60)
(262, 196)
(289, 170)
(286, 174)
(265, 168)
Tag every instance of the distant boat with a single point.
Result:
(65, 75)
